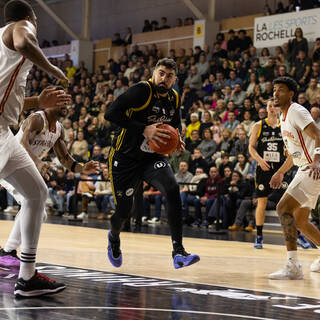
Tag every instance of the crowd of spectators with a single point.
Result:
(224, 89)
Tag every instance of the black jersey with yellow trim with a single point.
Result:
(137, 108)
(270, 139)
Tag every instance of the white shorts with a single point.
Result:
(304, 189)
(12, 154)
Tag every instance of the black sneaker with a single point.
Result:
(183, 259)
(38, 285)
(114, 252)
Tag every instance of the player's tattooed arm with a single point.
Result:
(289, 230)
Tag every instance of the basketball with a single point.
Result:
(172, 142)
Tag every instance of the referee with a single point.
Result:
(137, 113)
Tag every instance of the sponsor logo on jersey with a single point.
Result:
(261, 187)
(288, 134)
(129, 192)
(160, 164)
(155, 118)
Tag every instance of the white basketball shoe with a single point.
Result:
(291, 271)
(315, 267)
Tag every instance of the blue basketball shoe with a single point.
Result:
(183, 259)
(303, 242)
(114, 252)
(258, 244)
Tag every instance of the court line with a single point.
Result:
(141, 309)
(187, 282)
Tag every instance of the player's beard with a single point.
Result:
(162, 89)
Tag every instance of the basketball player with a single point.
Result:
(138, 112)
(301, 136)
(265, 146)
(39, 133)
(18, 50)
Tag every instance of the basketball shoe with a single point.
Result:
(303, 242)
(291, 271)
(38, 285)
(183, 259)
(315, 267)
(9, 259)
(258, 244)
(114, 252)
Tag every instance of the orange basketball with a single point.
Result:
(171, 143)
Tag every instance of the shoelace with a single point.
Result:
(43, 277)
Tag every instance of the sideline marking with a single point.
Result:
(144, 309)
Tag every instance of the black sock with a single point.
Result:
(259, 231)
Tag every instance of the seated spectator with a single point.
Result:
(206, 122)
(264, 57)
(97, 154)
(315, 113)
(152, 195)
(315, 53)
(233, 79)
(147, 26)
(303, 100)
(301, 68)
(268, 92)
(252, 84)
(315, 70)
(207, 86)
(164, 24)
(247, 123)
(208, 146)
(103, 195)
(231, 107)
(257, 94)
(226, 142)
(58, 190)
(262, 113)
(312, 91)
(208, 191)
(86, 190)
(220, 82)
(225, 163)
(189, 195)
(216, 130)
(194, 124)
(268, 69)
(194, 79)
(244, 41)
(218, 52)
(238, 95)
(317, 103)
(242, 165)
(221, 40)
(193, 142)
(177, 157)
(233, 42)
(79, 149)
(203, 65)
(198, 160)
(232, 121)
(220, 109)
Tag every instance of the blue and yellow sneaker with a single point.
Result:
(258, 243)
(114, 252)
(303, 242)
(183, 259)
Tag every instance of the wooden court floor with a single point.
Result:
(223, 263)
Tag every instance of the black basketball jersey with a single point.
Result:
(270, 144)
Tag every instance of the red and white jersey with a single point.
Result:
(14, 69)
(46, 139)
(298, 143)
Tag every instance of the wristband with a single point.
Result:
(74, 166)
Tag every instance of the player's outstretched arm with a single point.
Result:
(48, 98)
(252, 146)
(25, 41)
(65, 158)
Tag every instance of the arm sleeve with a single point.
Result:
(299, 117)
(135, 97)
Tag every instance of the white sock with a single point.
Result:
(28, 264)
(293, 256)
(14, 239)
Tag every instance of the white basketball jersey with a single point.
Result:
(14, 69)
(298, 143)
(46, 139)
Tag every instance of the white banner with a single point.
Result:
(271, 31)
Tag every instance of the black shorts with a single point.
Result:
(126, 173)
(262, 179)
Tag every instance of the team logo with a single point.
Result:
(160, 164)
(129, 192)
(261, 187)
